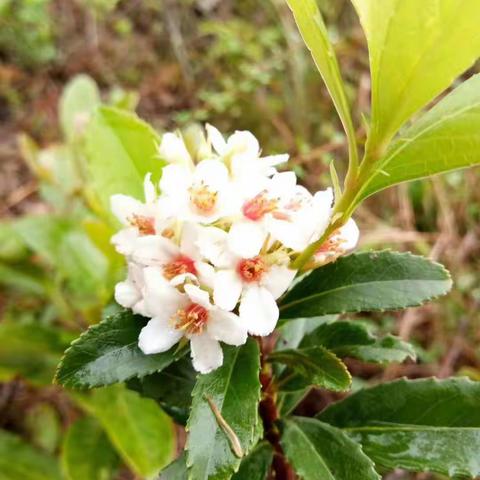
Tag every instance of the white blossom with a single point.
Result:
(210, 255)
(191, 315)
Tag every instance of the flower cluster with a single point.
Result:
(210, 255)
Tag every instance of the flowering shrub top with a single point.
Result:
(209, 256)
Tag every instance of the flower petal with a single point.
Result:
(161, 299)
(125, 240)
(125, 207)
(226, 327)
(206, 352)
(176, 179)
(158, 336)
(205, 274)
(216, 139)
(246, 238)
(350, 234)
(197, 295)
(258, 311)
(322, 206)
(278, 279)
(149, 189)
(212, 243)
(127, 294)
(173, 150)
(227, 289)
(154, 250)
(213, 173)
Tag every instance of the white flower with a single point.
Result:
(178, 263)
(241, 153)
(190, 314)
(256, 281)
(173, 150)
(129, 293)
(285, 211)
(339, 243)
(202, 195)
(139, 218)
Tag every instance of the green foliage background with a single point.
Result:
(239, 65)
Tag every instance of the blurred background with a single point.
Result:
(238, 65)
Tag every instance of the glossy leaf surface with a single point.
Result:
(234, 390)
(108, 353)
(365, 282)
(427, 424)
(314, 366)
(319, 451)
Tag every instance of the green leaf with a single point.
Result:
(319, 451)
(315, 366)
(314, 33)
(292, 333)
(172, 388)
(443, 139)
(12, 247)
(416, 50)
(87, 452)
(352, 339)
(257, 464)
(177, 470)
(20, 461)
(108, 353)
(140, 431)
(234, 390)
(79, 100)
(366, 282)
(30, 350)
(121, 150)
(385, 350)
(419, 425)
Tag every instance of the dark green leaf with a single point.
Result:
(87, 452)
(315, 366)
(121, 149)
(419, 425)
(352, 339)
(319, 451)
(138, 428)
(234, 390)
(364, 282)
(292, 332)
(257, 464)
(20, 461)
(108, 353)
(172, 388)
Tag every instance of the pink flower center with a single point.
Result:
(179, 266)
(203, 199)
(251, 269)
(257, 207)
(191, 319)
(145, 225)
